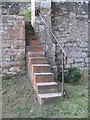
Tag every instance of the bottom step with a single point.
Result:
(48, 98)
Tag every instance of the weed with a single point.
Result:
(27, 13)
(72, 75)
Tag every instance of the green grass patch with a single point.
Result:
(19, 101)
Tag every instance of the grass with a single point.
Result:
(19, 101)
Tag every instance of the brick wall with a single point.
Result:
(13, 38)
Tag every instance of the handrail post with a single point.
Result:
(62, 74)
(45, 39)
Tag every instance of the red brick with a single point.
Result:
(41, 68)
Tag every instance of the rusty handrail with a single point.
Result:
(65, 55)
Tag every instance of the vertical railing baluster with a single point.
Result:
(62, 74)
(45, 39)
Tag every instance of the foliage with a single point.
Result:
(89, 72)
(27, 13)
(72, 75)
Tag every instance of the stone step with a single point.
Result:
(29, 37)
(46, 87)
(38, 60)
(34, 37)
(28, 33)
(34, 42)
(36, 54)
(34, 48)
(48, 98)
(43, 77)
(41, 68)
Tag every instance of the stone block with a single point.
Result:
(15, 69)
(79, 60)
(84, 44)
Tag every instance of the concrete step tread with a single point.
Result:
(35, 46)
(49, 95)
(37, 57)
(36, 54)
(46, 83)
(40, 65)
(35, 41)
(43, 74)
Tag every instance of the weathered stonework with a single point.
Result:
(70, 25)
(13, 38)
(69, 22)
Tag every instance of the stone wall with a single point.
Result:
(69, 22)
(70, 25)
(13, 38)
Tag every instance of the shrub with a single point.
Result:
(89, 72)
(72, 75)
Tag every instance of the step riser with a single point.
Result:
(36, 55)
(41, 69)
(34, 42)
(44, 79)
(34, 37)
(45, 101)
(36, 49)
(46, 89)
(38, 61)
(29, 38)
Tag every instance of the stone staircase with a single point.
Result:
(39, 70)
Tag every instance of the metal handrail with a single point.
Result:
(54, 36)
(64, 55)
